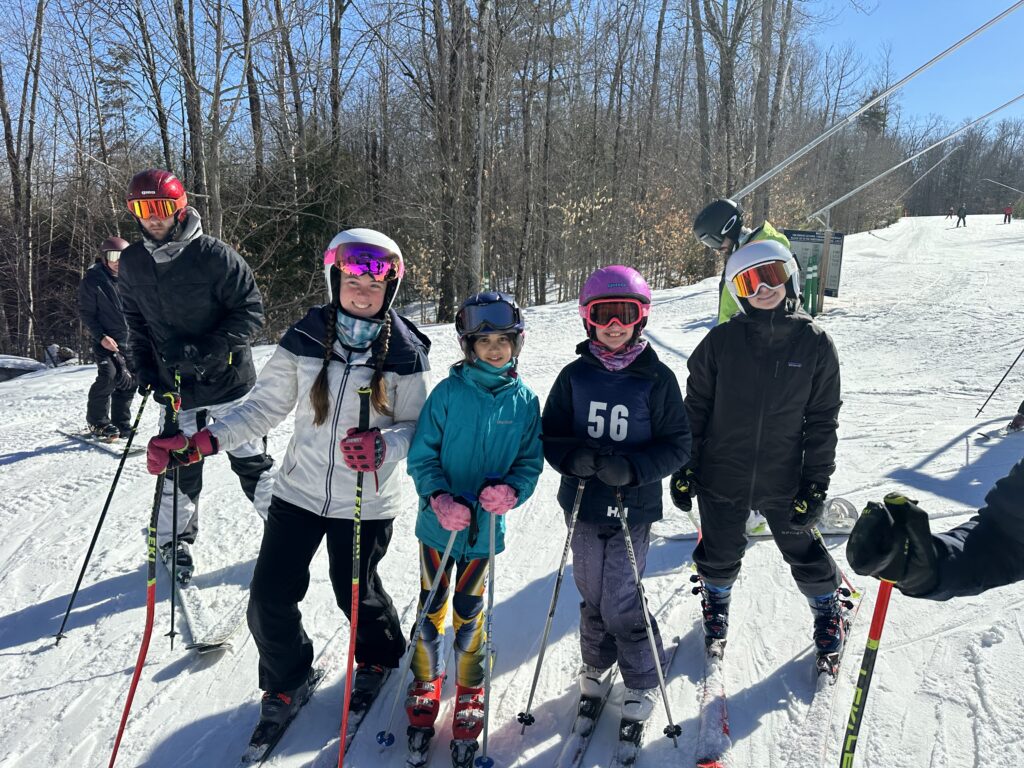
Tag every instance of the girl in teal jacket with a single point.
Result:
(476, 453)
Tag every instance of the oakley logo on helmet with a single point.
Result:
(728, 225)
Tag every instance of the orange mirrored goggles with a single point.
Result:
(771, 274)
(153, 207)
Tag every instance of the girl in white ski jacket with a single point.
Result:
(354, 342)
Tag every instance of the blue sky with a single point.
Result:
(981, 75)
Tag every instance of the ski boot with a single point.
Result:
(124, 431)
(1016, 423)
(104, 433)
(830, 627)
(714, 603)
(369, 679)
(186, 565)
(422, 704)
(467, 722)
(637, 707)
(277, 709)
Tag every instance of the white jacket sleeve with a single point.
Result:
(409, 395)
(267, 405)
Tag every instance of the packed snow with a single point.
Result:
(928, 319)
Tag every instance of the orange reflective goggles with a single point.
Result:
(153, 208)
(771, 274)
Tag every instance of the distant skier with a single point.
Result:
(950, 214)
(763, 397)
(893, 541)
(961, 215)
(1007, 214)
(355, 340)
(615, 419)
(108, 411)
(478, 437)
(193, 307)
(719, 226)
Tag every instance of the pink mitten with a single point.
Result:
(452, 515)
(498, 499)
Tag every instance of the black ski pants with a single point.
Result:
(291, 537)
(961, 218)
(107, 404)
(724, 540)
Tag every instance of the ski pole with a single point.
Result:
(999, 384)
(484, 761)
(867, 668)
(353, 621)
(672, 730)
(151, 556)
(387, 737)
(103, 514)
(174, 429)
(525, 717)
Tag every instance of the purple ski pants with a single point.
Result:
(611, 617)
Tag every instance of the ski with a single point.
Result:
(838, 520)
(266, 736)
(587, 713)
(112, 447)
(359, 707)
(631, 732)
(713, 740)
(208, 634)
(997, 433)
(809, 735)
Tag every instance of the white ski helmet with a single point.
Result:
(366, 251)
(763, 252)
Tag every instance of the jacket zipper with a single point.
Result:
(760, 418)
(334, 439)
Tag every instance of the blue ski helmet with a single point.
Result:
(490, 312)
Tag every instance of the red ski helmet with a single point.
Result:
(155, 194)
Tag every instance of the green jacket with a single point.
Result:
(727, 306)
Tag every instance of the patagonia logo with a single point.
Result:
(794, 364)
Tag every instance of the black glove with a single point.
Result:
(615, 471)
(808, 506)
(123, 378)
(581, 462)
(682, 487)
(894, 542)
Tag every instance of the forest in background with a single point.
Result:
(513, 145)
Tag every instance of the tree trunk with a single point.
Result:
(193, 108)
(475, 265)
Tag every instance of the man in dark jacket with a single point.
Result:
(192, 306)
(894, 542)
(108, 412)
(961, 214)
(763, 397)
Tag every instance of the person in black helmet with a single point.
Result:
(108, 412)
(720, 227)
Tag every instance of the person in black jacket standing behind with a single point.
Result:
(108, 412)
(192, 306)
(615, 419)
(763, 399)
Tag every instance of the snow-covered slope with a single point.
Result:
(928, 320)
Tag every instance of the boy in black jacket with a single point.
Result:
(763, 400)
(615, 419)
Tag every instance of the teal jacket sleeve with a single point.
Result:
(424, 461)
(529, 461)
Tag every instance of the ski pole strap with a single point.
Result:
(867, 669)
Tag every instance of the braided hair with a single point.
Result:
(318, 395)
(379, 396)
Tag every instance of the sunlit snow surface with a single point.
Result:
(928, 320)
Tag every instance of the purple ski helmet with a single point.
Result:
(617, 281)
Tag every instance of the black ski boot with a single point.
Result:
(714, 603)
(105, 433)
(368, 681)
